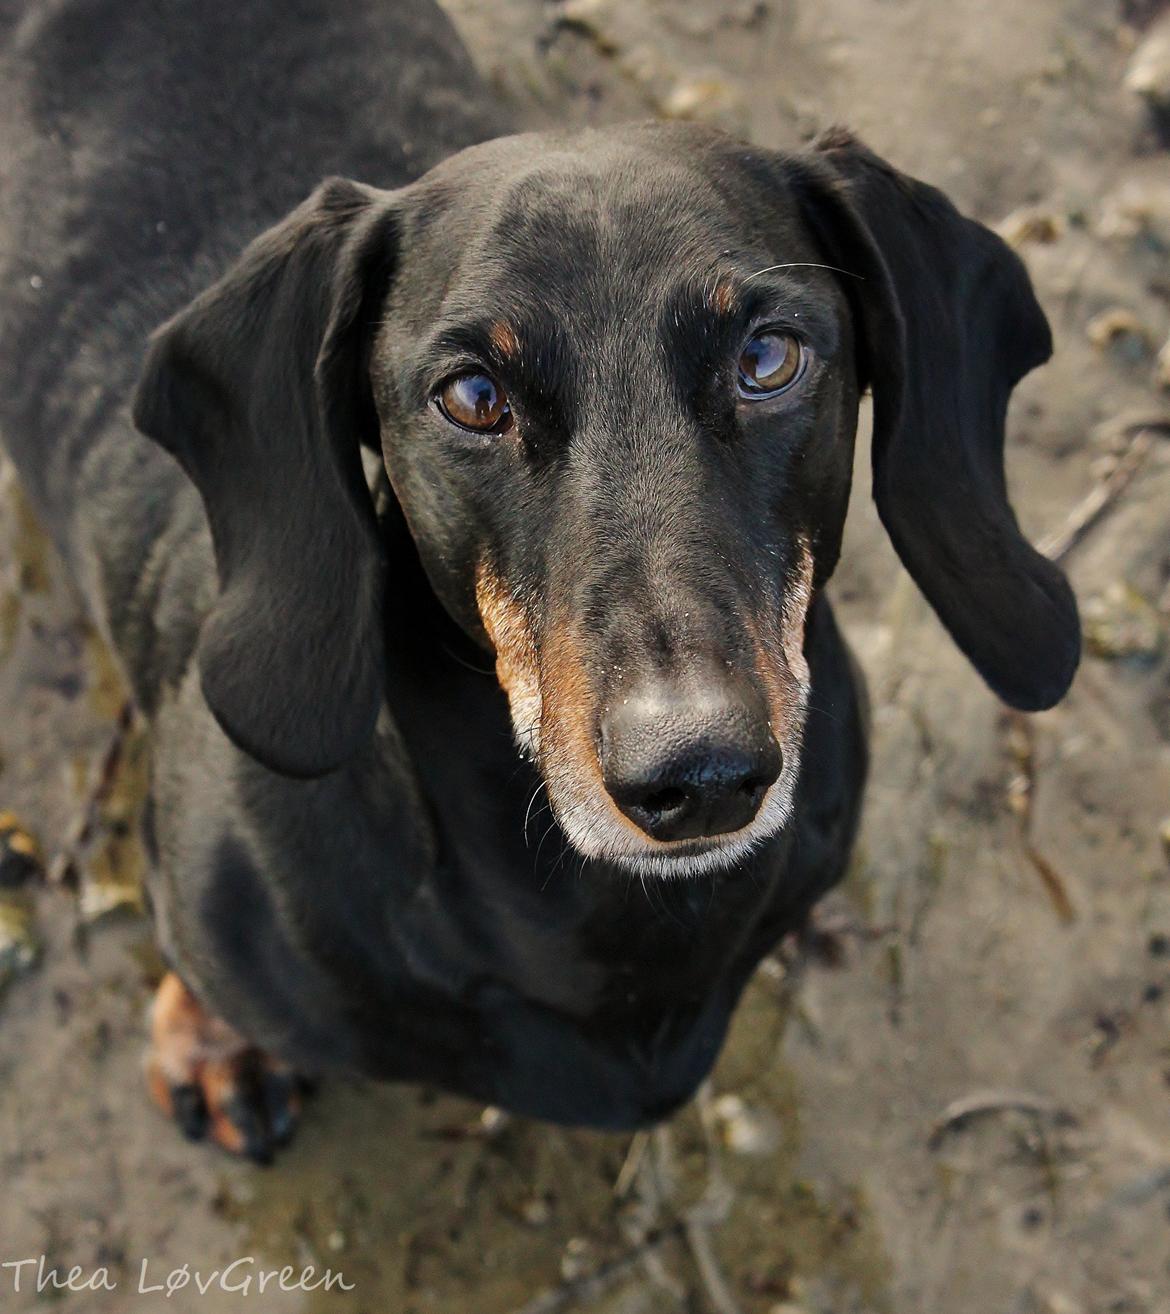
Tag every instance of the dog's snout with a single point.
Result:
(683, 768)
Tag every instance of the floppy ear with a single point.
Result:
(260, 390)
(949, 326)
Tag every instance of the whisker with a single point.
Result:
(824, 711)
(552, 825)
(479, 670)
(804, 264)
(540, 811)
(552, 871)
(528, 810)
(566, 850)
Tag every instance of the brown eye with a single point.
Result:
(475, 402)
(770, 363)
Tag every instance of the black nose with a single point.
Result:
(681, 768)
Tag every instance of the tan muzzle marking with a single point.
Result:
(517, 666)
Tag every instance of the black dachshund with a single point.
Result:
(579, 403)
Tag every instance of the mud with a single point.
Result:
(957, 1099)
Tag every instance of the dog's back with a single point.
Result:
(143, 143)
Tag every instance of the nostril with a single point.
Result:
(685, 773)
(754, 787)
(662, 801)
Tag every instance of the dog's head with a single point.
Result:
(614, 378)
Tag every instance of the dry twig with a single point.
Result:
(983, 1103)
(1021, 793)
(1105, 493)
(633, 1161)
(591, 1287)
(68, 859)
(710, 1212)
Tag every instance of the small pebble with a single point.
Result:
(1031, 225)
(1148, 74)
(697, 100)
(20, 855)
(1162, 367)
(103, 898)
(493, 1120)
(536, 1212)
(1121, 332)
(746, 1130)
(1138, 212)
(1120, 624)
(1059, 1303)
(19, 946)
(591, 17)
(579, 1259)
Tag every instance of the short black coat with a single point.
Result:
(379, 901)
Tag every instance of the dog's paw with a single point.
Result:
(215, 1085)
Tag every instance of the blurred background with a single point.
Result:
(953, 1096)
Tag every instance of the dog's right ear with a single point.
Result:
(949, 325)
(260, 389)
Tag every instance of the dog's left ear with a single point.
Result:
(949, 325)
(260, 390)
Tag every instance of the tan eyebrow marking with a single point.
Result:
(503, 338)
(722, 296)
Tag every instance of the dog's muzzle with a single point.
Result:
(688, 765)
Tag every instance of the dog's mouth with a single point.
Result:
(603, 826)
(600, 832)
(649, 810)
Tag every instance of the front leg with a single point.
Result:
(202, 1073)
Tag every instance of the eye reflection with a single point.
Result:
(476, 402)
(769, 363)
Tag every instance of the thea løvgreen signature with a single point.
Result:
(241, 1277)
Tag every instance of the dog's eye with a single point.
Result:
(769, 363)
(476, 402)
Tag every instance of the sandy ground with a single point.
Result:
(959, 1103)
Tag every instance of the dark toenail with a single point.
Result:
(281, 1119)
(243, 1114)
(260, 1152)
(189, 1110)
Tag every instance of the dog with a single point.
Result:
(464, 538)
